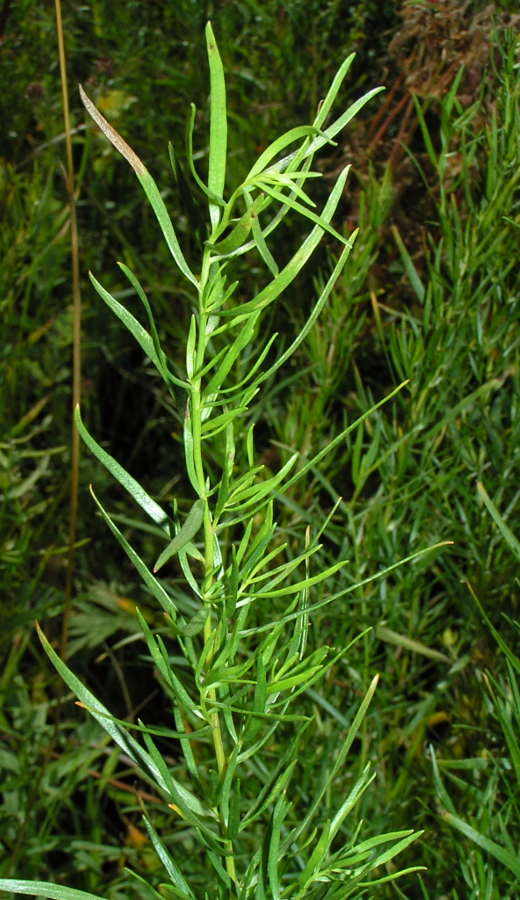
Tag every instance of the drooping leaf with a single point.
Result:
(150, 188)
(122, 476)
(189, 529)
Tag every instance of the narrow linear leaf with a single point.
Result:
(129, 321)
(503, 528)
(43, 889)
(121, 475)
(289, 617)
(291, 270)
(218, 125)
(330, 132)
(294, 134)
(189, 529)
(409, 267)
(240, 232)
(99, 712)
(504, 856)
(188, 202)
(155, 587)
(273, 854)
(400, 640)
(297, 207)
(338, 268)
(150, 188)
(306, 583)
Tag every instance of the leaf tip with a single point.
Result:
(115, 139)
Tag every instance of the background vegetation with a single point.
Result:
(430, 293)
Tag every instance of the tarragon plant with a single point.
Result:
(247, 664)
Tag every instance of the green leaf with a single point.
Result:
(506, 532)
(218, 125)
(44, 889)
(161, 356)
(191, 355)
(510, 860)
(212, 426)
(350, 801)
(99, 712)
(240, 232)
(190, 806)
(273, 855)
(291, 270)
(155, 587)
(425, 133)
(189, 451)
(150, 188)
(276, 784)
(297, 207)
(338, 268)
(130, 322)
(339, 762)
(189, 153)
(401, 640)
(330, 132)
(121, 475)
(332, 92)
(306, 583)
(233, 827)
(310, 464)
(409, 267)
(160, 658)
(233, 352)
(188, 202)
(189, 529)
(312, 867)
(263, 249)
(195, 624)
(295, 134)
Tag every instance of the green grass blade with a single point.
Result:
(401, 640)
(43, 889)
(409, 267)
(273, 853)
(341, 437)
(507, 859)
(505, 531)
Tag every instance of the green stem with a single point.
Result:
(197, 410)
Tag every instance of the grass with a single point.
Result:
(437, 306)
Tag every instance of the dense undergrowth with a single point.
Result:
(430, 294)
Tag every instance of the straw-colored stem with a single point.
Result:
(76, 332)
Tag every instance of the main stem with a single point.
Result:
(196, 412)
